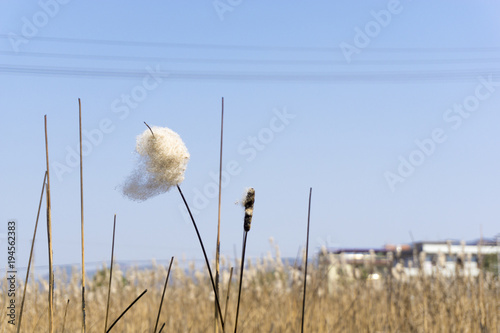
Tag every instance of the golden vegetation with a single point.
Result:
(271, 301)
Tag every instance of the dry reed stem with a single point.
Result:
(481, 283)
(217, 247)
(49, 235)
(228, 291)
(31, 255)
(110, 274)
(81, 206)
(65, 313)
(307, 254)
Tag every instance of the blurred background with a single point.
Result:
(387, 109)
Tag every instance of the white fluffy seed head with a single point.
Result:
(161, 164)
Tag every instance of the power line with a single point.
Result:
(344, 77)
(254, 47)
(248, 61)
(177, 45)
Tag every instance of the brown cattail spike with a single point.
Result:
(248, 203)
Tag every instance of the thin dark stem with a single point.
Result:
(206, 258)
(84, 329)
(150, 129)
(161, 328)
(307, 254)
(163, 295)
(110, 274)
(31, 255)
(228, 290)
(65, 312)
(49, 234)
(241, 279)
(123, 313)
(217, 247)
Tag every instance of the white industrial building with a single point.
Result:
(446, 258)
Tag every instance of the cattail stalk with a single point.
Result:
(110, 274)
(49, 234)
(128, 308)
(82, 230)
(247, 223)
(31, 256)
(205, 255)
(217, 247)
(169, 181)
(163, 295)
(245, 233)
(305, 266)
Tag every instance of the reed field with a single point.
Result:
(271, 300)
(254, 295)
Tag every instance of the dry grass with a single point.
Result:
(271, 301)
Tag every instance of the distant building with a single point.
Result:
(447, 258)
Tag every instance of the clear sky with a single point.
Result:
(389, 110)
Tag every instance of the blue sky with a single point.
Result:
(399, 135)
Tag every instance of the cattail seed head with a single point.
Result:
(162, 162)
(248, 204)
